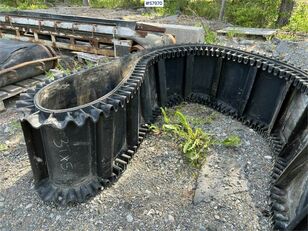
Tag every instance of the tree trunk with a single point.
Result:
(85, 2)
(222, 10)
(15, 4)
(285, 11)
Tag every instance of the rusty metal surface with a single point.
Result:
(84, 34)
(71, 18)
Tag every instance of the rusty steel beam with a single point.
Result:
(24, 29)
(61, 45)
(71, 18)
(75, 27)
(80, 33)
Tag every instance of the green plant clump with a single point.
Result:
(194, 143)
(232, 141)
(286, 36)
(50, 75)
(116, 3)
(65, 70)
(3, 147)
(6, 5)
(252, 13)
(204, 8)
(210, 36)
(299, 19)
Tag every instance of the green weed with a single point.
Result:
(207, 9)
(155, 129)
(89, 63)
(66, 71)
(286, 36)
(50, 75)
(210, 36)
(3, 147)
(194, 143)
(22, 5)
(27, 6)
(115, 3)
(75, 2)
(6, 8)
(232, 34)
(232, 141)
(299, 19)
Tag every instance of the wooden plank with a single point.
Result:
(248, 31)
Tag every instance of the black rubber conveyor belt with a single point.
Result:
(14, 53)
(81, 134)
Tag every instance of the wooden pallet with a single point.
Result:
(17, 88)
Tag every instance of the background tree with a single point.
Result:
(285, 12)
(222, 10)
(85, 2)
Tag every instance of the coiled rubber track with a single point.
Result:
(81, 138)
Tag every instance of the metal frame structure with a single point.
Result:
(92, 35)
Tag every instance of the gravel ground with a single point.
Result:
(292, 52)
(158, 191)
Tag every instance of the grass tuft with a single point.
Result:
(3, 147)
(231, 141)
